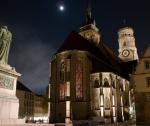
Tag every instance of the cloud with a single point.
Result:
(31, 56)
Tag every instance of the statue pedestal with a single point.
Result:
(9, 103)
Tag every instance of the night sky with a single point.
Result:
(39, 28)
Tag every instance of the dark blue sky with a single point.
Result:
(39, 28)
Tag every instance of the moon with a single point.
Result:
(61, 7)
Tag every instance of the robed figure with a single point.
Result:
(5, 41)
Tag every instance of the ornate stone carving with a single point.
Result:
(6, 82)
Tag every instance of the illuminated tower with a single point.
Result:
(127, 48)
(89, 30)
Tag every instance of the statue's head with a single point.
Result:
(5, 27)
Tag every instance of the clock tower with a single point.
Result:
(89, 30)
(127, 48)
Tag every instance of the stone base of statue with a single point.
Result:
(9, 103)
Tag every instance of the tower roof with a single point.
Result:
(124, 28)
(88, 13)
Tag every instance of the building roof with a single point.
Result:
(103, 58)
(21, 86)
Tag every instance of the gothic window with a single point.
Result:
(78, 79)
(62, 84)
(106, 83)
(96, 83)
(62, 71)
(62, 90)
(68, 65)
(107, 103)
(67, 77)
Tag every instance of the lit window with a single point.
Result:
(78, 80)
(62, 84)
(67, 78)
(106, 83)
(96, 83)
(62, 71)
(62, 91)
(148, 81)
(107, 103)
(147, 64)
(68, 65)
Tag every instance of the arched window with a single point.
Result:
(62, 84)
(107, 103)
(106, 83)
(62, 91)
(96, 83)
(62, 71)
(79, 79)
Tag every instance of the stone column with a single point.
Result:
(49, 95)
(49, 103)
(122, 112)
(68, 107)
(102, 103)
(113, 109)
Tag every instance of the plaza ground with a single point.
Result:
(118, 124)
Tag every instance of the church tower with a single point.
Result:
(127, 48)
(89, 30)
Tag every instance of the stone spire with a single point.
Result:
(88, 13)
(89, 30)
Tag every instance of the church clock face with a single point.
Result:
(125, 53)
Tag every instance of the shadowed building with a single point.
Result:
(141, 79)
(32, 107)
(88, 81)
(26, 101)
(40, 108)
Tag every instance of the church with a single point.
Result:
(88, 81)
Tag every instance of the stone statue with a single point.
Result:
(5, 41)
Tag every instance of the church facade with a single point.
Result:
(88, 81)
